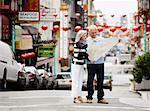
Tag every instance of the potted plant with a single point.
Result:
(141, 70)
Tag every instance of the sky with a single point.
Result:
(116, 7)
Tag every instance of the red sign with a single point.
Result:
(28, 55)
(31, 5)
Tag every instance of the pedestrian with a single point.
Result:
(95, 67)
(78, 62)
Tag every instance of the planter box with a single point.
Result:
(144, 85)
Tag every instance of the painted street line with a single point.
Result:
(111, 107)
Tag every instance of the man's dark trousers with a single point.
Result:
(97, 69)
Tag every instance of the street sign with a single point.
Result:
(46, 51)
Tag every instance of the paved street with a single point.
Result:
(120, 99)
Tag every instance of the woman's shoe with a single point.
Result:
(76, 100)
(80, 99)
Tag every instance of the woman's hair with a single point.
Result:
(79, 34)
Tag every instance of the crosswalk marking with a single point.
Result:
(110, 107)
(106, 107)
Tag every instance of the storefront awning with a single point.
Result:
(32, 30)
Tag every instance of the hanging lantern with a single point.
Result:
(97, 25)
(100, 29)
(100, 15)
(105, 25)
(77, 28)
(55, 27)
(148, 28)
(78, 15)
(91, 15)
(55, 14)
(44, 27)
(124, 15)
(66, 15)
(118, 27)
(135, 28)
(87, 29)
(65, 28)
(123, 29)
(112, 15)
(43, 12)
(112, 29)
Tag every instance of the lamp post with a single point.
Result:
(145, 43)
(13, 7)
(56, 28)
(13, 35)
(143, 8)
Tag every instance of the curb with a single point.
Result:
(145, 95)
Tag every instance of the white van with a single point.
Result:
(9, 67)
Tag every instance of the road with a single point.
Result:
(120, 99)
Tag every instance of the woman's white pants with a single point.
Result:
(77, 79)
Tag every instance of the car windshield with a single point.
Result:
(107, 77)
(41, 71)
(64, 76)
(29, 69)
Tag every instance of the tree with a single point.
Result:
(142, 68)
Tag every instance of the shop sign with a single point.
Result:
(24, 43)
(46, 51)
(49, 14)
(29, 16)
(0, 27)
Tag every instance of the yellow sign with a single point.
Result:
(64, 7)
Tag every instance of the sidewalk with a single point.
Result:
(145, 96)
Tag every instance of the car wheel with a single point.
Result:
(21, 84)
(56, 85)
(3, 82)
(36, 84)
(50, 85)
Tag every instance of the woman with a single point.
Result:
(78, 62)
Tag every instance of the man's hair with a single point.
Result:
(92, 28)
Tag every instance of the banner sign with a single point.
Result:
(46, 51)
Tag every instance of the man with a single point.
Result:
(95, 66)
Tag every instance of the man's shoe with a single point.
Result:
(89, 100)
(103, 101)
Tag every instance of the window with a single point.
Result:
(4, 2)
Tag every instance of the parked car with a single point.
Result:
(47, 83)
(8, 67)
(63, 80)
(32, 77)
(107, 84)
